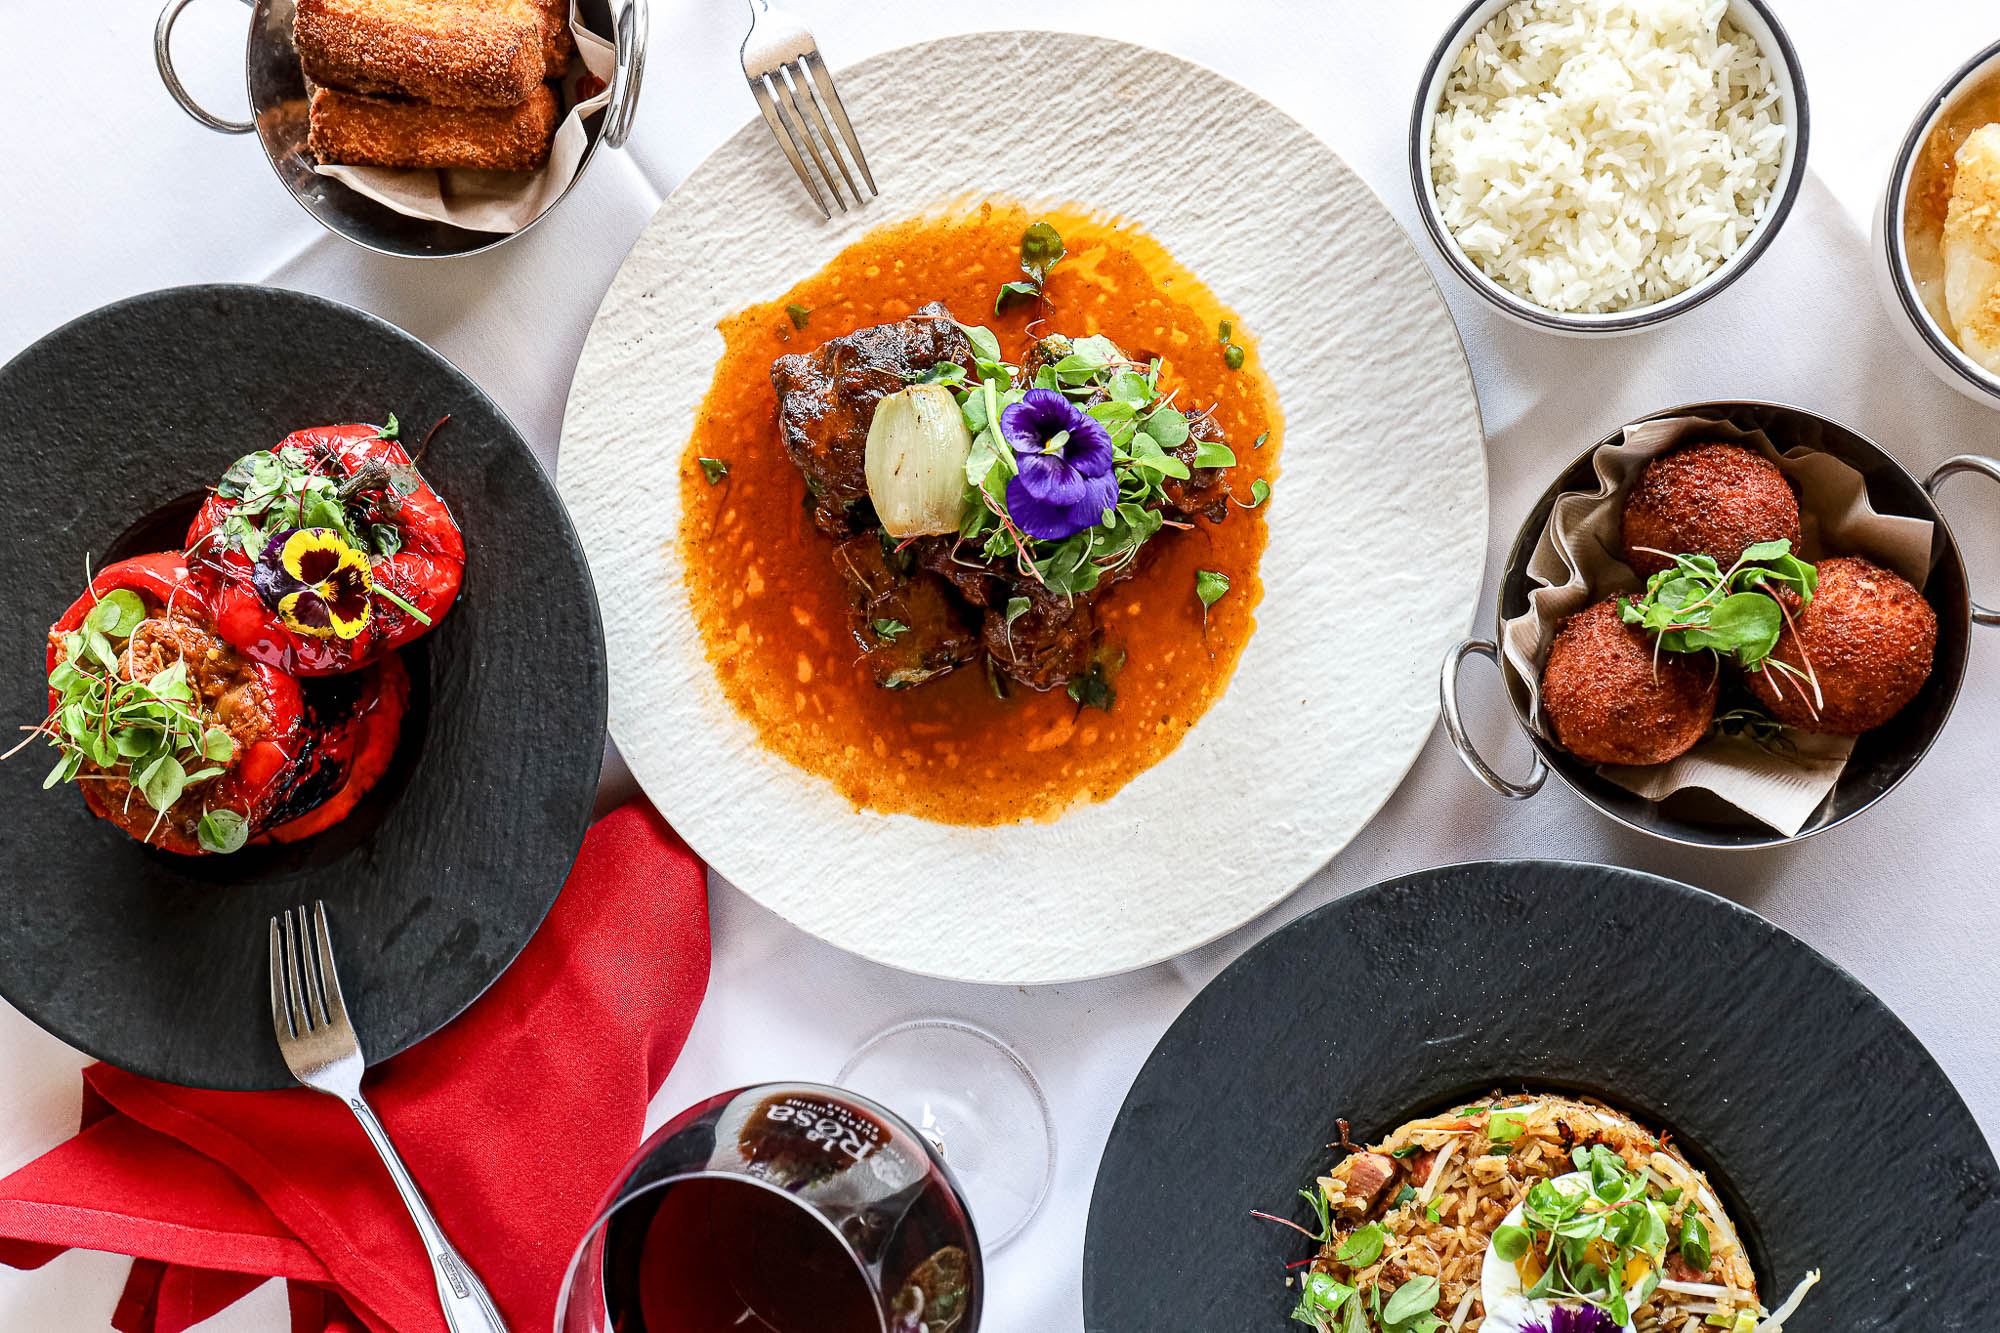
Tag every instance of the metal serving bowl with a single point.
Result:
(1881, 759)
(1752, 16)
(278, 117)
(1892, 260)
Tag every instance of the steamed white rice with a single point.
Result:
(1602, 155)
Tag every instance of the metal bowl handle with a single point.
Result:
(163, 56)
(1454, 725)
(633, 30)
(1951, 467)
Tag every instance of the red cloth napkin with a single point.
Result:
(514, 1119)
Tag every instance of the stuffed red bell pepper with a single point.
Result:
(353, 724)
(175, 736)
(323, 554)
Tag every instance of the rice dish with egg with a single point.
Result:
(1596, 156)
(1527, 1214)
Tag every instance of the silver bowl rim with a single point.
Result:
(1622, 321)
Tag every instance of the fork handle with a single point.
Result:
(467, 1307)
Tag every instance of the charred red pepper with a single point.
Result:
(323, 554)
(258, 705)
(352, 725)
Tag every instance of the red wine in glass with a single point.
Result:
(791, 1208)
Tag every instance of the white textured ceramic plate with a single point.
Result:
(1377, 520)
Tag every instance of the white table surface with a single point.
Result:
(115, 193)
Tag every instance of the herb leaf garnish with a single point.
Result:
(1041, 250)
(714, 469)
(1209, 586)
(148, 731)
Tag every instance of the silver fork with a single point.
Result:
(323, 1053)
(778, 53)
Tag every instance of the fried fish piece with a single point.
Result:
(464, 53)
(1971, 246)
(392, 132)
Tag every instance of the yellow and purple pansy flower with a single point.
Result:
(316, 582)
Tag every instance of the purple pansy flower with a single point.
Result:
(1573, 1319)
(1062, 455)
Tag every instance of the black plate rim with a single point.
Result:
(567, 529)
(1099, 1320)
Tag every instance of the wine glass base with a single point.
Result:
(977, 1102)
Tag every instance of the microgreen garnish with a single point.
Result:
(147, 731)
(1224, 331)
(1016, 608)
(1143, 427)
(1261, 440)
(1232, 356)
(1209, 586)
(714, 469)
(1260, 491)
(799, 315)
(890, 630)
(1694, 1242)
(1321, 1299)
(1041, 250)
(1093, 689)
(1590, 1230)
(1363, 1247)
(280, 493)
(1695, 605)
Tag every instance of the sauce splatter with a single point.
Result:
(772, 611)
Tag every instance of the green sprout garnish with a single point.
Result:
(146, 731)
(1694, 605)
(1041, 250)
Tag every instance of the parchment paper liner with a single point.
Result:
(1577, 562)
(496, 201)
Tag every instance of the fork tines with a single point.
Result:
(798, 112)
(305, 991)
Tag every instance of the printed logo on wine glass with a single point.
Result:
(798, 1140)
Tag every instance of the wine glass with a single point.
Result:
(779, 1208)
(976, 1101)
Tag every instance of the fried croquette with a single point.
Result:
(1708, 499)
(1611, 700)
(1867, 637)
(393, 132)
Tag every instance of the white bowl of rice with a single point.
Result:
(1595, 167)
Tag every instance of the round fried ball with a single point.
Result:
(1708, 499)
(1610, 702)
(1868, 637)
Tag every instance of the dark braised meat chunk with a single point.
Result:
(1205, 494)
(979, 581)
(826, 402)
(906, 620)
(1048, 644)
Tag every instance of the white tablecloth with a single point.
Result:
(114, 192)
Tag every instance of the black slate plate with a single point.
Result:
(1834, 1139)
(110, 427)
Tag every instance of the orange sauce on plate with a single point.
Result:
(772, 609)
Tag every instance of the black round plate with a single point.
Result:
(1833, 1138)
(111, 426)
